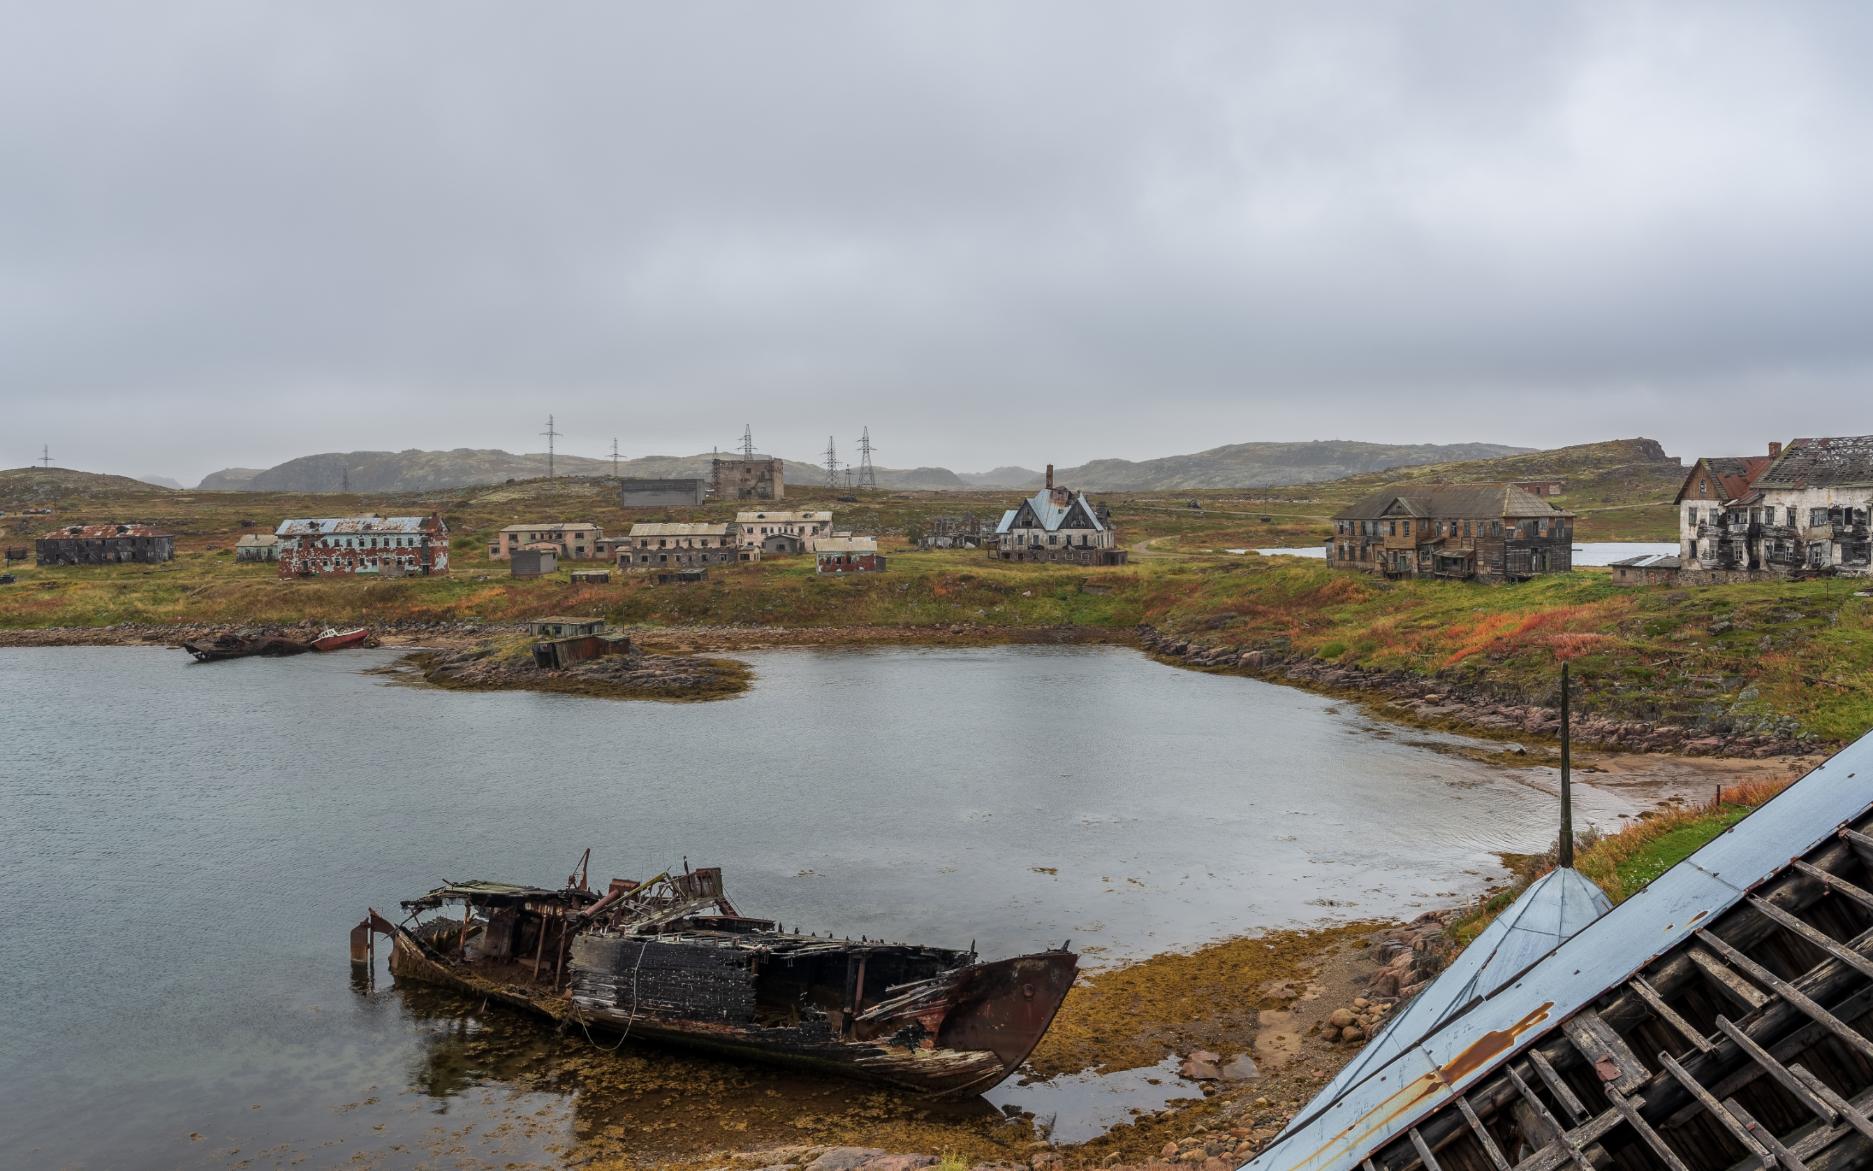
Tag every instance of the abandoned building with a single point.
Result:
(1542, 488)
(1057, 524)
(591, 577)
(573, 540)
(808, 527)
(565, 641)
(748, 477)
(1704, 539)
(1806, 510)
(385, 546)
(1485, 532)
(104, 545)
(533, 561)
(659, 545)
(782, 545)
(837, 555)
(257, 547)
(680, 492)
(681, 576)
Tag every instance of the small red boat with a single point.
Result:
(338, 640)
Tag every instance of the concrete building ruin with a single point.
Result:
(572, 540)
(106, 544)
(661, 546)
(748, 477)
(807, 527)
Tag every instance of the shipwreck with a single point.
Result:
(671, 961)
(1719, 1018)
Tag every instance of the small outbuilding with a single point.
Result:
(533, 561)
(559, 626)
(591, 576)
(1649, 569)
(782, 545)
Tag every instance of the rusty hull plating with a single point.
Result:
(672, 961)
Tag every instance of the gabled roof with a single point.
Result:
(1007, 521)
(252, 539)
(1836, 462)
(1049, 516)
(327, 525)
(1472, 501)
(846, 545)
(1649, 561)
(1730, 476)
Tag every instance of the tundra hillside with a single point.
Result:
(1734, 668)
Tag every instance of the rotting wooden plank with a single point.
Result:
(1483, 1138)
(1815, 936)
(1554, 1155)
(1861, 843)
(1566, 1142)
(1715, 1109)
(1668, 1014)
(1733, 985)
(1788, 1159)
(1560, 1089)
(1835, 883)
(1644, 1130)
(1424, 1151)
(1778, 1071)
(1853, 1115)
(1598, 1041)
(1794, 996)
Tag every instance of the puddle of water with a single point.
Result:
(1079, 1107)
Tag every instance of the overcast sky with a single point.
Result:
(233, 233)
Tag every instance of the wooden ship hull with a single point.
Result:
(235, 646)
(927, 1020)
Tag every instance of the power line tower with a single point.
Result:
(832, 465)
(551, 434)
(867, 475)
(614, 457)
(747, 441)
(45, 455)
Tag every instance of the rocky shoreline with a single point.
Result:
(491, 666)
(1441, 703)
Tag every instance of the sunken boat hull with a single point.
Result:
(927, 1020)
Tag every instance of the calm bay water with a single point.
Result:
(1586, 554)
(183, 848)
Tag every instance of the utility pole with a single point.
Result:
(551, 434)
(747, 441)
(867, 475)
(832, 465)
(1566, 852)
(45, 455)
(344, 478)
(614, 457)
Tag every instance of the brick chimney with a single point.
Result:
(1050, 475)
(1775, 449)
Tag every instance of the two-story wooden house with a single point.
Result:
(1488, 532)
(1057, 524)
(1707, 538)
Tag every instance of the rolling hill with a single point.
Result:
(30, 487)
(1258, 465)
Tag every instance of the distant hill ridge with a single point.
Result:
(1240, 465)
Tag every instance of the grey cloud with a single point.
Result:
(994, 233)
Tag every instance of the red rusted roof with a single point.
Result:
(97, 532)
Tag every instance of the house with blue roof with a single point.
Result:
(1057, 524)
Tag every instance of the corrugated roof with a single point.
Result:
(1050, 516)
(375, 525)
(552, 526)
(1493, 501)
(1833, 462)
(691, 529)
(1336, 1134)
(846, 545)
(251, 539)
(1649, 561)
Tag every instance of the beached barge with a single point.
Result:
(672, 961)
